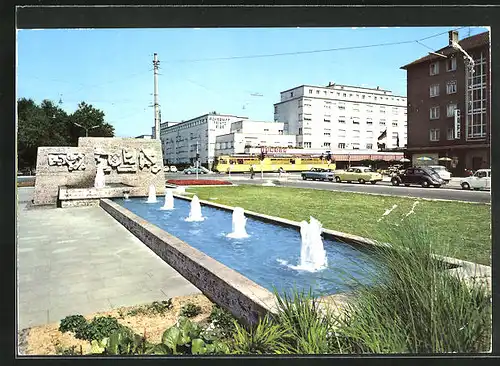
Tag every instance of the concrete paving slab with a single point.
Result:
(80, 261)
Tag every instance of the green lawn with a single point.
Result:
(465, 228)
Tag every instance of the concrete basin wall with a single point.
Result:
(245, 299)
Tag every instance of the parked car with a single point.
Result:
(192, 170)
(442, 172)
(318, 174)
(422, 176)
(480, 180)
(166, 169)
(173, 168)
(361, 174)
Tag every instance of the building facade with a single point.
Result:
(248, 134)
(343, 117)
(180, 140)
(449, 105)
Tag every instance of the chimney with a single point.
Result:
(453, 37)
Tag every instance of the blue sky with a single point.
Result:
(112, 68)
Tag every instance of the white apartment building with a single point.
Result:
(179, 139)
(248, 134)
(342, 117)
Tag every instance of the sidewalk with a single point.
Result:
(80, 261)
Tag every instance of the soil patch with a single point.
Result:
(48, 340)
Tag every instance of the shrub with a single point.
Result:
(190, 310)
(72, 323)
(152, 309)
(222, 321)
(265, 338)
(308, 327)
(416, 305)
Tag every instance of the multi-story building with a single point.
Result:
(180, 140)
(343, 117)
(449, 105)
(247, 134)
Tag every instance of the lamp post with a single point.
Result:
(86, 128)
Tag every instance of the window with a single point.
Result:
(341, 133)
(369, 122)
(326, 133)
(275, 109)
(344, 95)
(341, 107)
(266, 129)
(326, 144)
(434, 112)
(307, 145)
(310, 91)
(300, 130)
(317, 92)
(394, 124)
(434, 134)
(450, 110)
(355, 121)
(476, 100)
(382, 123)
(434, 90)
(363, 96)
(382, 110)
(306, 119)
(341, 145)
(450, 134)
(434, 68)
(394, 111)
(451, 87)
(369, 146)
(326, 120)
(451, 64)
(341, 120)
(291, 94)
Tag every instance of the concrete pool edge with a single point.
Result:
(245, 299)
(468, 270)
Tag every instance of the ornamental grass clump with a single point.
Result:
(416, 304)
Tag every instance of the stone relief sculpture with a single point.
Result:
(114, 159)
(147, 159)
(74, 161)
(129, 161)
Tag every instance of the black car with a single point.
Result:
(422, 176)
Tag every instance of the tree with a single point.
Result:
(85, 119)
(48, 125)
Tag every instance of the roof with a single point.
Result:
(478, 40)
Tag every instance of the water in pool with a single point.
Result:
(268, 254)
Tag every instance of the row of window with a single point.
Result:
(451, 65)
(435, 112)
(354, 121)
(434, 134)
(451, 88)
(341, 145)
(363, 96)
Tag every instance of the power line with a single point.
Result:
(310, 52)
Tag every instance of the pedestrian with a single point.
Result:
(280, 170)
(252, 172)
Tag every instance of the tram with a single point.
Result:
(271, 163)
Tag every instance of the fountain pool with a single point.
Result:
(269, 256)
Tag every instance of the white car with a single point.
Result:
(173, 168)
(480, 180)
(443, 173)
(166, 169)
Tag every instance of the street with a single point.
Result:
(453, 192)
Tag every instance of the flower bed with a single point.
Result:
(198, 182)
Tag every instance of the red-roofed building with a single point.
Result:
(449, 107)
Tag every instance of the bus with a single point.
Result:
(289, 163)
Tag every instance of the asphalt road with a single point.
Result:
(382, 188)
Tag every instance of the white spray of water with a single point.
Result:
(152, 194)
(195, 212)
(312, 253)
(387, 212)
(169, 200)
(100, 179)
(239, 223)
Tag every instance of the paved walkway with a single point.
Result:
(80, 261)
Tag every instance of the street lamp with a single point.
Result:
(86, 128)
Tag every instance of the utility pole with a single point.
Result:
(156, 63)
